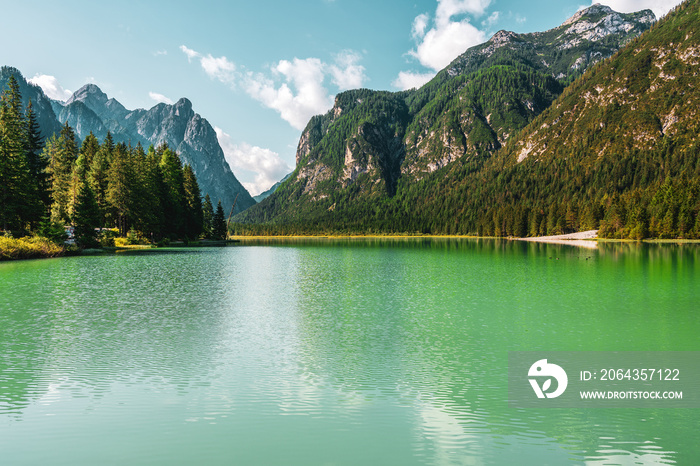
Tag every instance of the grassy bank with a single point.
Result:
(34, 247)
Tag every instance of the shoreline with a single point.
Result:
(332, 236)
(566, 239)
(583, 239)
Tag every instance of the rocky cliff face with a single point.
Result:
(90, 109)
(357, 144)
(370, 142)
(495, 89)
(643, 99)
(42, 105)
(82, 120)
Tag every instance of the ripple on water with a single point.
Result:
(307, 354)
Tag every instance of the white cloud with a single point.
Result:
(659, 7)
(267, 166)
(296, 89)
(160, 98)
(159, 53)
(491, 20)
(191, 54)
(347, 73)
(444, 43)
(419, 25)
(441, 39)
(301, 95)
(51, 87)
(409, 80)
(219, 68)
(448, 8)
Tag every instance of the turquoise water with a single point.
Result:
(359, 352)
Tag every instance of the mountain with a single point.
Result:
(43, 108)
(619, 149)
(90, 109)
(82, 119)
(374, 148)
(273, 188)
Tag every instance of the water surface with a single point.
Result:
(386, 352)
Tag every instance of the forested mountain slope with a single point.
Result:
(618, 150)
(382, 161)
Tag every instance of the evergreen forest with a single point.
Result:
(101, 189)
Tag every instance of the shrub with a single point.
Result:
(107, 238)
(120, 242)
(28, 248)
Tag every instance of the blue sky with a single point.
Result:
(259, 70)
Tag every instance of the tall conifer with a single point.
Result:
(207, 216)
(62, 153)
(15, 179)
(219, 223)
(193, 203)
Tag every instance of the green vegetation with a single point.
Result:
(495, 146)
(218, 224)
(45, 187)
(32, 247)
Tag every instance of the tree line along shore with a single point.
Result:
(106, 194)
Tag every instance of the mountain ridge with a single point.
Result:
(373, 144)
(177, 125)
(89, 109)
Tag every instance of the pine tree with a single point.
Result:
(62, 153)
(193, 202)
(174, 197)
(141, 191)
(120, 188)
(86, 217)
(11, 157)
(89, 149)
(97, 176)
(207, 217)
(39, 178)
(78, 179)
(151, 193)
(219, 223)
(16, 192)
(108, 143)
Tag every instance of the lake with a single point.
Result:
(346, 352)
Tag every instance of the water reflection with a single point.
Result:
(346, 351)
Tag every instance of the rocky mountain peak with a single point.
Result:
(502, 36)
(500, 39)
(89, 94)
(183, 107)
(598, 22)
(591, 11)
(604, 18)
